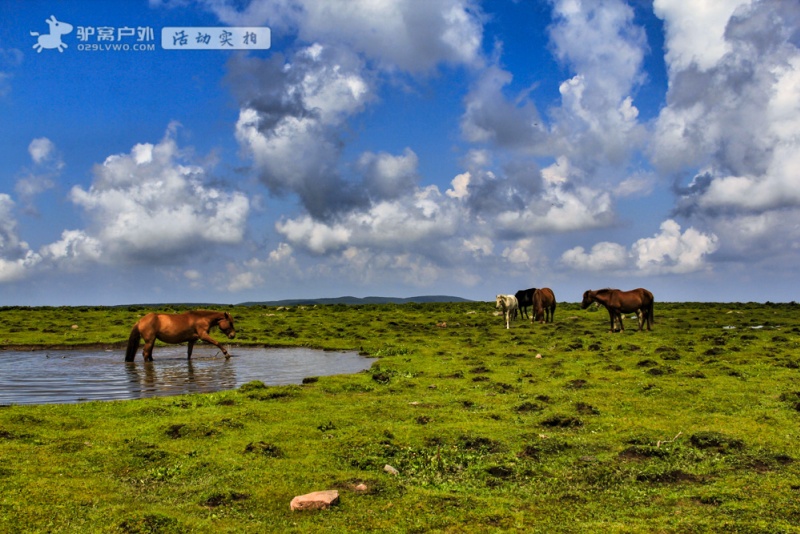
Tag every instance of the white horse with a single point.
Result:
(509, 305)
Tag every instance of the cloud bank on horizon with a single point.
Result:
(560, 176)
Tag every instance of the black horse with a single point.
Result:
(525, 299)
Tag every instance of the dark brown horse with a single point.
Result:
(618, 302)
(544, 305)
(177, 328)
(524, 299)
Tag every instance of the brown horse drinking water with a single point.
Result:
(544, 305)
(177, 328)
(618, 302)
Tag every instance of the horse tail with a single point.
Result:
(133, 343)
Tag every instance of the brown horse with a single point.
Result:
(618, 302)
(544, 305)
(177, 328)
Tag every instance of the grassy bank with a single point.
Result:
(691, 427)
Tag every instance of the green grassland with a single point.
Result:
(693, 427)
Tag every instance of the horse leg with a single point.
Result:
(640, 318)
(147, 351)
(208, 339)
(191, 346)
(616, 317)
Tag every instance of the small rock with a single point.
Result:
(391, 470)
(318, 500)
(74, 327)
(361, 487)
(539, 356)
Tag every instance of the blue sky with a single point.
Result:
(400, 148)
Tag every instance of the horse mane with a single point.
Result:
(606, 290)
(217, 316)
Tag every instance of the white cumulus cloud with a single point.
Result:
(16, 257)
(396, 34)
(695, 31)
(668, 252)
(387, 176)
(150, 206)
(603, 256)
(732, 117)
(671, 251)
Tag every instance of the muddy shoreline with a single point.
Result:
(81, 346)
(122, 345)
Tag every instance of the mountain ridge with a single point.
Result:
(350, 301)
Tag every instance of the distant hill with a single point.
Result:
(357, 300)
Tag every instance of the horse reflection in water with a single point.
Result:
(174, 380)
(190, 326)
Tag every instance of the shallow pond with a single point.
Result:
(66, 376)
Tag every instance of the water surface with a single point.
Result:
(67, 376)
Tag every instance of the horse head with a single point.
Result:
(226, 325)
(57, 27)
(588, 298)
